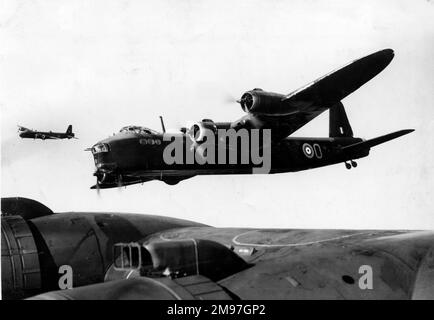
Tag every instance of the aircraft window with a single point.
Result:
(138, 130)
(102, 147)
(118, 253)
(135, 258)
(128, 256)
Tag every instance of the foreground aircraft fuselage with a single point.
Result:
(259, 142)
(34, 134)
(97, 255)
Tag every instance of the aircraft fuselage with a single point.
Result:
(138, 158)
(45, 135)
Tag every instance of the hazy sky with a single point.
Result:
(101, 65)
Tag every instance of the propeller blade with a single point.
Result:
(120, 183)
(229, 98)
(98, 189)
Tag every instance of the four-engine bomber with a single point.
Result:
(259, 142)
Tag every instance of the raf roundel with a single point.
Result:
(308, 150)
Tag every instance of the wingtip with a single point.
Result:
(381, 58)
(388, 52)
(386, 55)
(407, 131)
(403, 132)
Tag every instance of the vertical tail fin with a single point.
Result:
(69, 130)
(339, 126)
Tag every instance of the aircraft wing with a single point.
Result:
(144, 256)
(47, 136)
(303, 105)
(261, 264)
(335, 86)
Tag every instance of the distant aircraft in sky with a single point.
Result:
(137, 154)
(34, 134)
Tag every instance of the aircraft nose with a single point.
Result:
(103, 157)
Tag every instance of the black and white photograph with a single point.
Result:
(237, 152)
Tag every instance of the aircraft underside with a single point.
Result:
(174, 175)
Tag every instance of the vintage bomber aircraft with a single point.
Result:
(135, 154)
(135, 256)
(34, 134)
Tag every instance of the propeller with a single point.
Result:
(98, 189)
(230, 99)
(97, 184)
(246, 100)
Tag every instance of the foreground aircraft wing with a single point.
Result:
(306, 103)
(201, 263)
(144, 256)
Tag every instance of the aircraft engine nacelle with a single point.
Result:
(258, 101)
(44, 251)
(198, 130)
(21, 273)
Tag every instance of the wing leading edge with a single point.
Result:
(335, 86)
(318, 96)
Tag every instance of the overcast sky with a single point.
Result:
(101, 65)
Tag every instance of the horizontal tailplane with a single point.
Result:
(376, 141)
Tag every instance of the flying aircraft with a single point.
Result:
(100, 255)
(34, 134)
(138, 154)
